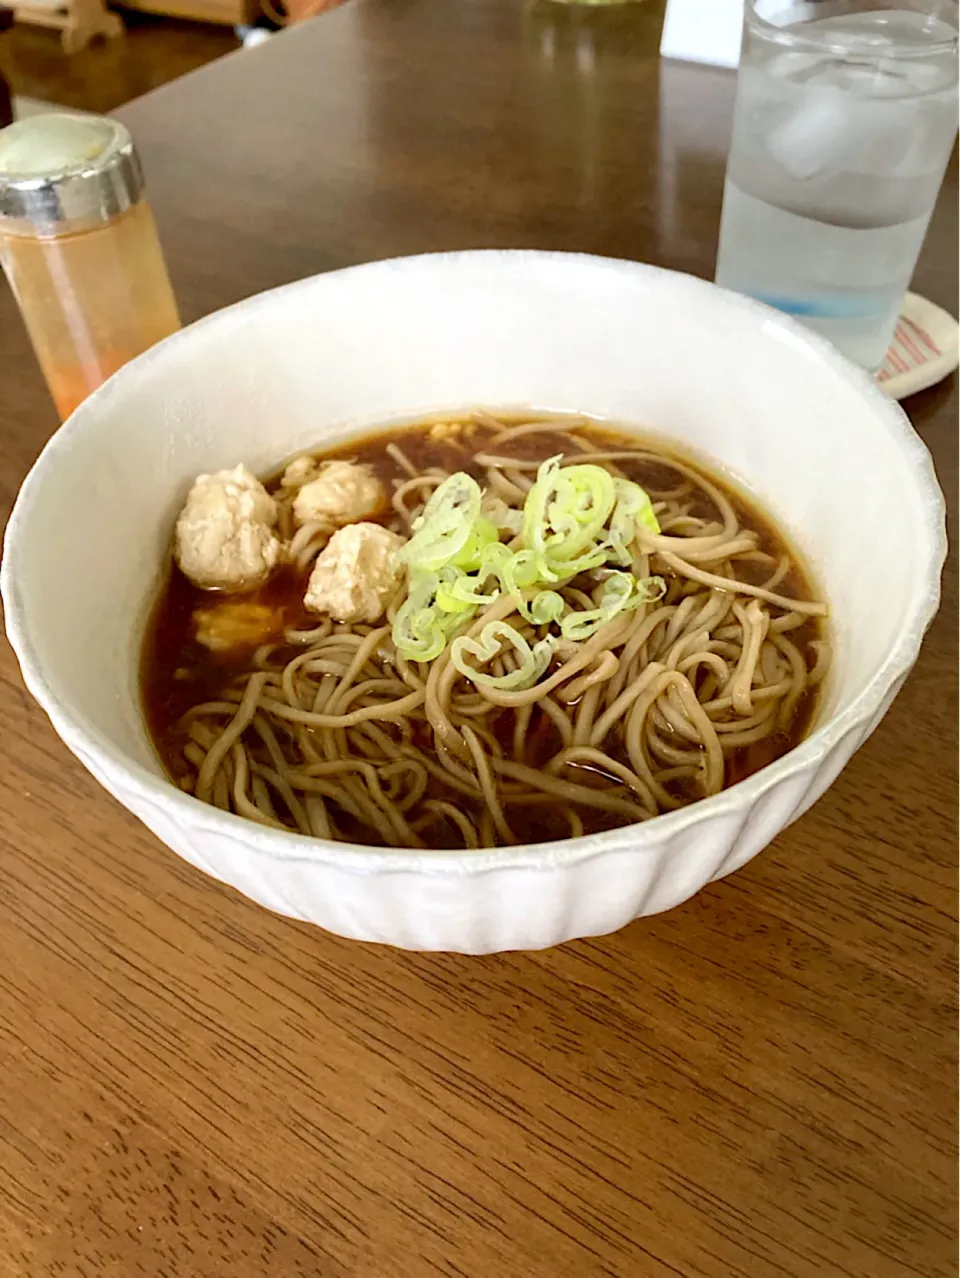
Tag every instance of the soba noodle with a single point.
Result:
(333, 732)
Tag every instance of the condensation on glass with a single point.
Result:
(79, 246)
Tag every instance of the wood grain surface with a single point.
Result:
(108, 73)
(760, 1084)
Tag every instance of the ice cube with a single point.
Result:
(833, 130)
(812, 139)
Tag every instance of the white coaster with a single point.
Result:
(706, 31)
(925, 348)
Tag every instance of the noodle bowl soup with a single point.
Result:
(477, 632)
(306, 367)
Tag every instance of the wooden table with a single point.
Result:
(759, 1084)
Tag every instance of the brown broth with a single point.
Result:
(177, 673)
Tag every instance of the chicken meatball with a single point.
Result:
(356, 574)
(300, 471)
(342, 493)
(224, 535)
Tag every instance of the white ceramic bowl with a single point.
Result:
(316, 361)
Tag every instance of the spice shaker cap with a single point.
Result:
(61, 172)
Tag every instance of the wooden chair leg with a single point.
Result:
(78, 21)
(6, 104)
(6, 97)
(86, 20)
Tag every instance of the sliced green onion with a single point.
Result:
(621, 592)
(484, 533)
(515, 569)
(442, 532)
(487, 646)
(545, 606)
(457, 591)
(633, 507)
(455, 552)
(421, 629)
(564, 518)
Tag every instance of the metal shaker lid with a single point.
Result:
(63, 172)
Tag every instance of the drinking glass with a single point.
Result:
(845, 119)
